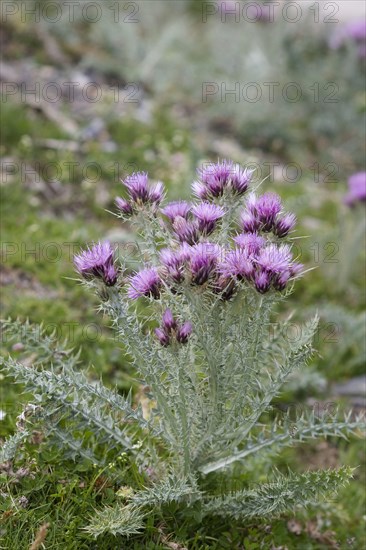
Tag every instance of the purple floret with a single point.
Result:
(146, 282)
(139, 190)
(97, 262)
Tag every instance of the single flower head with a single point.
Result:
(240, 179)
(249, 222)
(186, 230)
(284, 224)
(169, 322)
(146, 282)
(137, 186)
(124, 206)
(268, 207)
(251, 242)
(139, 190)
(207, 215)
(162, 336)
(184, 332)
(357, 189)
(262, 281)
(176, 209)
(203, 260)
(214, 177)
(97, 262)
(237, 264)
(275, 259)
(156, 193)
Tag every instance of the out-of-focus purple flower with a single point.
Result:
(203, 261)
(249, 222)
(139, 190)
(169, 323)
(162, 336)
(124, 206)
(184, 332)
(146, 282)
(268, 206)
(176, 209)
(357, 189)
(252, 242)
(186, 230)
(354, 31)
(237, 264)
(284, 225)
(275, 259)
(262, 281)
(97, 262)
(207, 215)
(240, 179)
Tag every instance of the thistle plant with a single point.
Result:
(211, 274)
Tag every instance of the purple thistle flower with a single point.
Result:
(249, 222)
(176, 209)
(186, 231)
(137, 186)
(296, 269)
(284, 225)
(240, 179)
(162, 336)
(169, 322)
(207, 215)
(237, 264)
(275, 259)
(357, 189)
(215, 177)
(268, 206)
(97, 262)
(184, 332)
(174, 262)
(203, 261)
(280, 281)
(156, 193)
(252, 242)
(200, 190)
(124, 206)
(146, 282)
(262, 281)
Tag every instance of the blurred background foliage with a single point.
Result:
(163, 86)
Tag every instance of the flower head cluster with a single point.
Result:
(97, 261)
(357, 189)
(170, 329)
(140, 192)
(192, 257)
(263, 214)
(215, 179)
